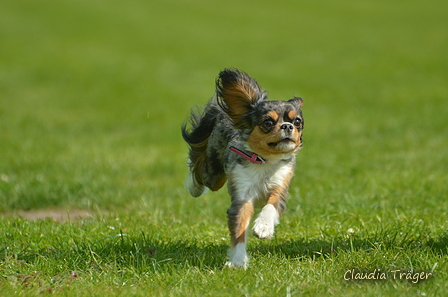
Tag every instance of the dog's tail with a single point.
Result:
(196, 132)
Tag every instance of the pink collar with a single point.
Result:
(254, 158)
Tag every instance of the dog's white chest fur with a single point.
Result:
(254, 181)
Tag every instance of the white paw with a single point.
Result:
(235, 265)
(238, 257)
(265, 223)
(263, 229)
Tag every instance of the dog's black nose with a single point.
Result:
(287, 127)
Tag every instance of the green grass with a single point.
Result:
(92, 96)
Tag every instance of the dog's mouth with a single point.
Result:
(285, 140)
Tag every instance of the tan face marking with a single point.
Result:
(273, 115)
(292, 115)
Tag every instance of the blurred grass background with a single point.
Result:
(93, 93)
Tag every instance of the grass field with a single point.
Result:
(92, 97)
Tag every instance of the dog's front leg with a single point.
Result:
(269, 216)
(239, 215)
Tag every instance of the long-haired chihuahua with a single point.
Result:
(243, 138)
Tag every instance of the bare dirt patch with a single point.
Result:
(56, 214)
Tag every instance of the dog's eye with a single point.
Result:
(297, 122)
(268, 123)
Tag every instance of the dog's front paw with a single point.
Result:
(263, 229)
(265, 223)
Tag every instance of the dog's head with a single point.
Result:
(273, 127)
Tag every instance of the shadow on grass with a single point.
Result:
(439, 245)
(160, 254)
(311, 249)
(142, 251)
(144, 254)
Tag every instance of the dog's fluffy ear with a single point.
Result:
(237, 94)
(297, 100)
